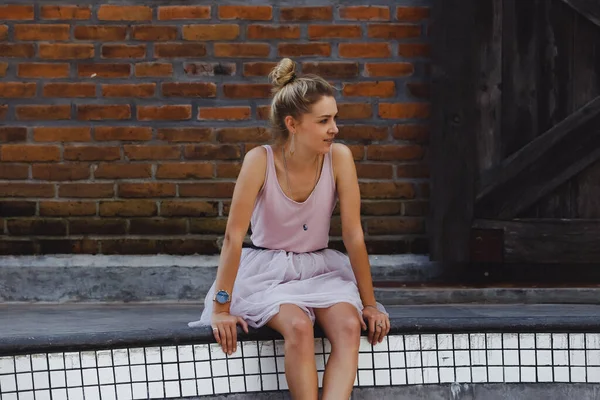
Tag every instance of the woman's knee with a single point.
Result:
(347, 331)
(300, 332)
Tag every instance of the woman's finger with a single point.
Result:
(229, 338)
(371, 329)
(243, 323)
(233, 330)
(216, 334)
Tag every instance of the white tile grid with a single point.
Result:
(193, 370)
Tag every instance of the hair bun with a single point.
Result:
(283, 73)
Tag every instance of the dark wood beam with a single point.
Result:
(548, 241)
(541, 166)
(588, 8)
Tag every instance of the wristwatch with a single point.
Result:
(222, 297)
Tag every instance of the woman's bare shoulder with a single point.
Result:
(254, 165)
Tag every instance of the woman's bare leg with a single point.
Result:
(342, 327)
(299, 343)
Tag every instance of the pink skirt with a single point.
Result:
(267, 279)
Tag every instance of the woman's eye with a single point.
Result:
(323, 121)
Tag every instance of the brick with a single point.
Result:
(390, 152)
(210, 32)
(98, 112)
(258, 68)
(139, 90)
(18, 247)
(17, 208)
(243, 135)
(247, 90)
(43, 112)
(209, 69)
(416, 133)
(37, 227)
(273, 32)
(404, 110)
(183, 12)
(381, 208)
(154, 152)
(69, 90)
(393, 31)
(67, 208)
(256, 13)
(177, 208)
(334, 31)
(263, 112)
(17, 89)
(43, 70)
(13, 134)
(154, 33)
(375, 171)
(123, 51)
(19, 50)
(331, 69)
(104, 33)
(176, 135)
(26, 190)
(394, 226)
(365, 13)
(3, 69)
(14, 171)
(29, 153)
(41, 32)
(166, 112)
(224, 113)
(60, 172)
(147, 189)
(304, 49)
(61, 134)
(96, 226)
(151, 69)
(86, 190)
(212, 152)
(370, 89)
(411, 50)
(189, 89)
(362, 132)
(184, 170)
(92, 153)
(122, 171)
(306, 14)
(124, 13)
(103, 70)
(419, 90)
(65, 12)
(387, 190)
(389, 69)
(3, 111)
(354, 110)
(166, 246)
(16, 12)
(128, 208)
(205, 226)
(242, 50)
(228, 170)
(412, 13)
(412, 171)
(207, 189)
(158, 226)
(364, 50)
(122, 133)
(179, 50)
(65, 51)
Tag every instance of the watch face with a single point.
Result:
(222, 297)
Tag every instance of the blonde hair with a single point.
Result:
(293, 95)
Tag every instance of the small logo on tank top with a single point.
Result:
(305, 227)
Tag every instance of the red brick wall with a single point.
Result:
(122, 127)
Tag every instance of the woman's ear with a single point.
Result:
(290, 123)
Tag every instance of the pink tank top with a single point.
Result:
(280, 223)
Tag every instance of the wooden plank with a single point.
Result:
(542, 165)
(588, 8)
(452, 144)
(548, 241)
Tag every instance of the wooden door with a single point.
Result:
(515, 147)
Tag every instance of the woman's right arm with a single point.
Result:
(249, 182)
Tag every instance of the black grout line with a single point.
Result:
(195, 370)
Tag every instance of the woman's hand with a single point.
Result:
(224, 327)
(378, 324)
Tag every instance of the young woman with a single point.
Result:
(288, 278)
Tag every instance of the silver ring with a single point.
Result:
(215, 329)
(380, 324)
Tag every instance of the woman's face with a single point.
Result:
(316, 129)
